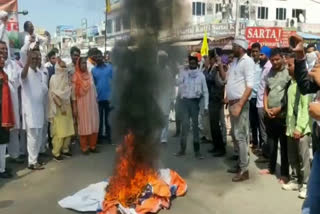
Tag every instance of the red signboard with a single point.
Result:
(268, 36)
(11, 6)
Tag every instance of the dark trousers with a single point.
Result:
(263, 139)
(254, 122)
(178, 107)
(190, 109)
(215, 115)
(276, 130)
(315, 137)
(104, 110)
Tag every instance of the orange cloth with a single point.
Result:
(7, 114)
(179, 182)
(88, 141)
(159, 200)
(82, 80)
(160, 188)
(85, 95)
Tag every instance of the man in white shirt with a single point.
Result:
(33, 95)
(239, 87)
(13, 71)
(193, 87)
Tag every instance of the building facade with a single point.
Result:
(218, 18)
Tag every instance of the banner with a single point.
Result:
(11, 6)
(268, 36)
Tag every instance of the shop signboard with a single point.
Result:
(269, 36)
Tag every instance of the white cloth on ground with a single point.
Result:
(3, 148)
(89, 199)
(34, 139)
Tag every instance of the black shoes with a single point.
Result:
(67, 154)
(94, 151)
(58, 159)
(36, 166)
(6, 175)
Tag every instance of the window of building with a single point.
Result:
(299, 14)
(126, 22)
(218, 8)
(281, 14)
(244, 12)
(198, 9)
(109, 26)
(118, 24)
(263, 13)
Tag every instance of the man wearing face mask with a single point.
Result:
(193, 87)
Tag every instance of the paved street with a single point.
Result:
(210, 187)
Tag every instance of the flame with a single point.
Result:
(131, 176)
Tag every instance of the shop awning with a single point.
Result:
(309, 36)
(187, 43)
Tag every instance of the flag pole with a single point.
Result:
(105, 34)
(105, 26)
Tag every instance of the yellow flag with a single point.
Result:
(205, 46)
(108, 6)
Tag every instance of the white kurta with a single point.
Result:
(14, 71)
(33, 92)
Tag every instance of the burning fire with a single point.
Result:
(137, 185)
(131, 176)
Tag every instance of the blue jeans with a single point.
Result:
(312, 203)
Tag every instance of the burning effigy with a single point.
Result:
(136, 188)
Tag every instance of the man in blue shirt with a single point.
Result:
(102, 75)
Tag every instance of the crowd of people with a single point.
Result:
(272, 99)
(46, 104)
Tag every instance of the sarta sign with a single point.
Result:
(11, 6)
(268, 36)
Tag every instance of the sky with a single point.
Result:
(50, 13)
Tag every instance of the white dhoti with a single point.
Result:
(3, 148)
(34, 142)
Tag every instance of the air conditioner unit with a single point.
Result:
(292, 23)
